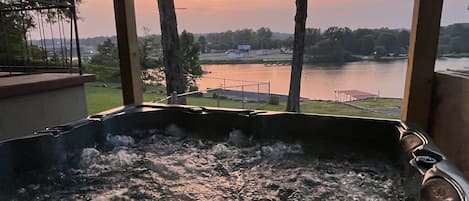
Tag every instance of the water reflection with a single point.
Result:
(320, 81)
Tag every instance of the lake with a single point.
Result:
(320, 81)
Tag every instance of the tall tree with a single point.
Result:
(189, 57)
(264, 36)
(244, 36)
(293, 104)
(366, 45)
(14, 28)
(389, 41)
(148, 46)
(404, 37)
(312, 36)
(107, 54)
(11, 38)
(203, 44)
(170, 42)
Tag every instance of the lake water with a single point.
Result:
(320, 81)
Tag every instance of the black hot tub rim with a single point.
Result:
(424, 155)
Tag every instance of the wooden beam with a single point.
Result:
(127, 42)
(421, 66)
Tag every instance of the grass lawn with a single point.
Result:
(209, 102)
(327, 107)
(104, 98)
(379, 102)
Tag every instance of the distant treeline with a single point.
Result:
(335, 44)
(259, 39)
(454, 39)
(340, 44)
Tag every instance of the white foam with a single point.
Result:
(223, 151)
(166, 167)
(121, 140)
(280, 149)
(238, 138)
(174, 130)
(121, 158)
(89, 157)
(92, 161)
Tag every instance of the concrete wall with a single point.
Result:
(21, 115)
(450, 117)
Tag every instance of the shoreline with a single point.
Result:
(262, 61)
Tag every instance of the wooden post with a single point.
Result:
(128, 51)
(423, 49)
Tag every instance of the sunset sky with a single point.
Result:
(202, 16)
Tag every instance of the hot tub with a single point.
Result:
(40, 163)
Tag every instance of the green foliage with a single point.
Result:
(15, 48)
(380, 51)
(404, 37)
(103, 98)
(104, 64)
(454, 39)
(244, 36)
(335, 44)
(12, 34)
(340, 43)
(329, 107)
(326, 51)
(150, 57)
(366, 45)
(337, 33)
(35, 52)
(260, 39)
(263, 36)
(288, 42)
(312, 36)
(150, 50)
(203, 44)
(103, 73)
(388, 41)
(189, 58)
(107, 54)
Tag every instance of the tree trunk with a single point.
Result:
(170, 42)
(293, 104)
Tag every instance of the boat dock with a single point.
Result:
(276, 62)
(352, 95)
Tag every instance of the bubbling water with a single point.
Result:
(171, 165)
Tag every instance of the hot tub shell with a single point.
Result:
(426, 171)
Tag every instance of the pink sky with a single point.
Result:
(204, 16)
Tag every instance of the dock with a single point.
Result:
(352, 95)
(276, 62)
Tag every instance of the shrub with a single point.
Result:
(274, 100)
(103, 73)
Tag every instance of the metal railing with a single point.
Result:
(247, 96)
